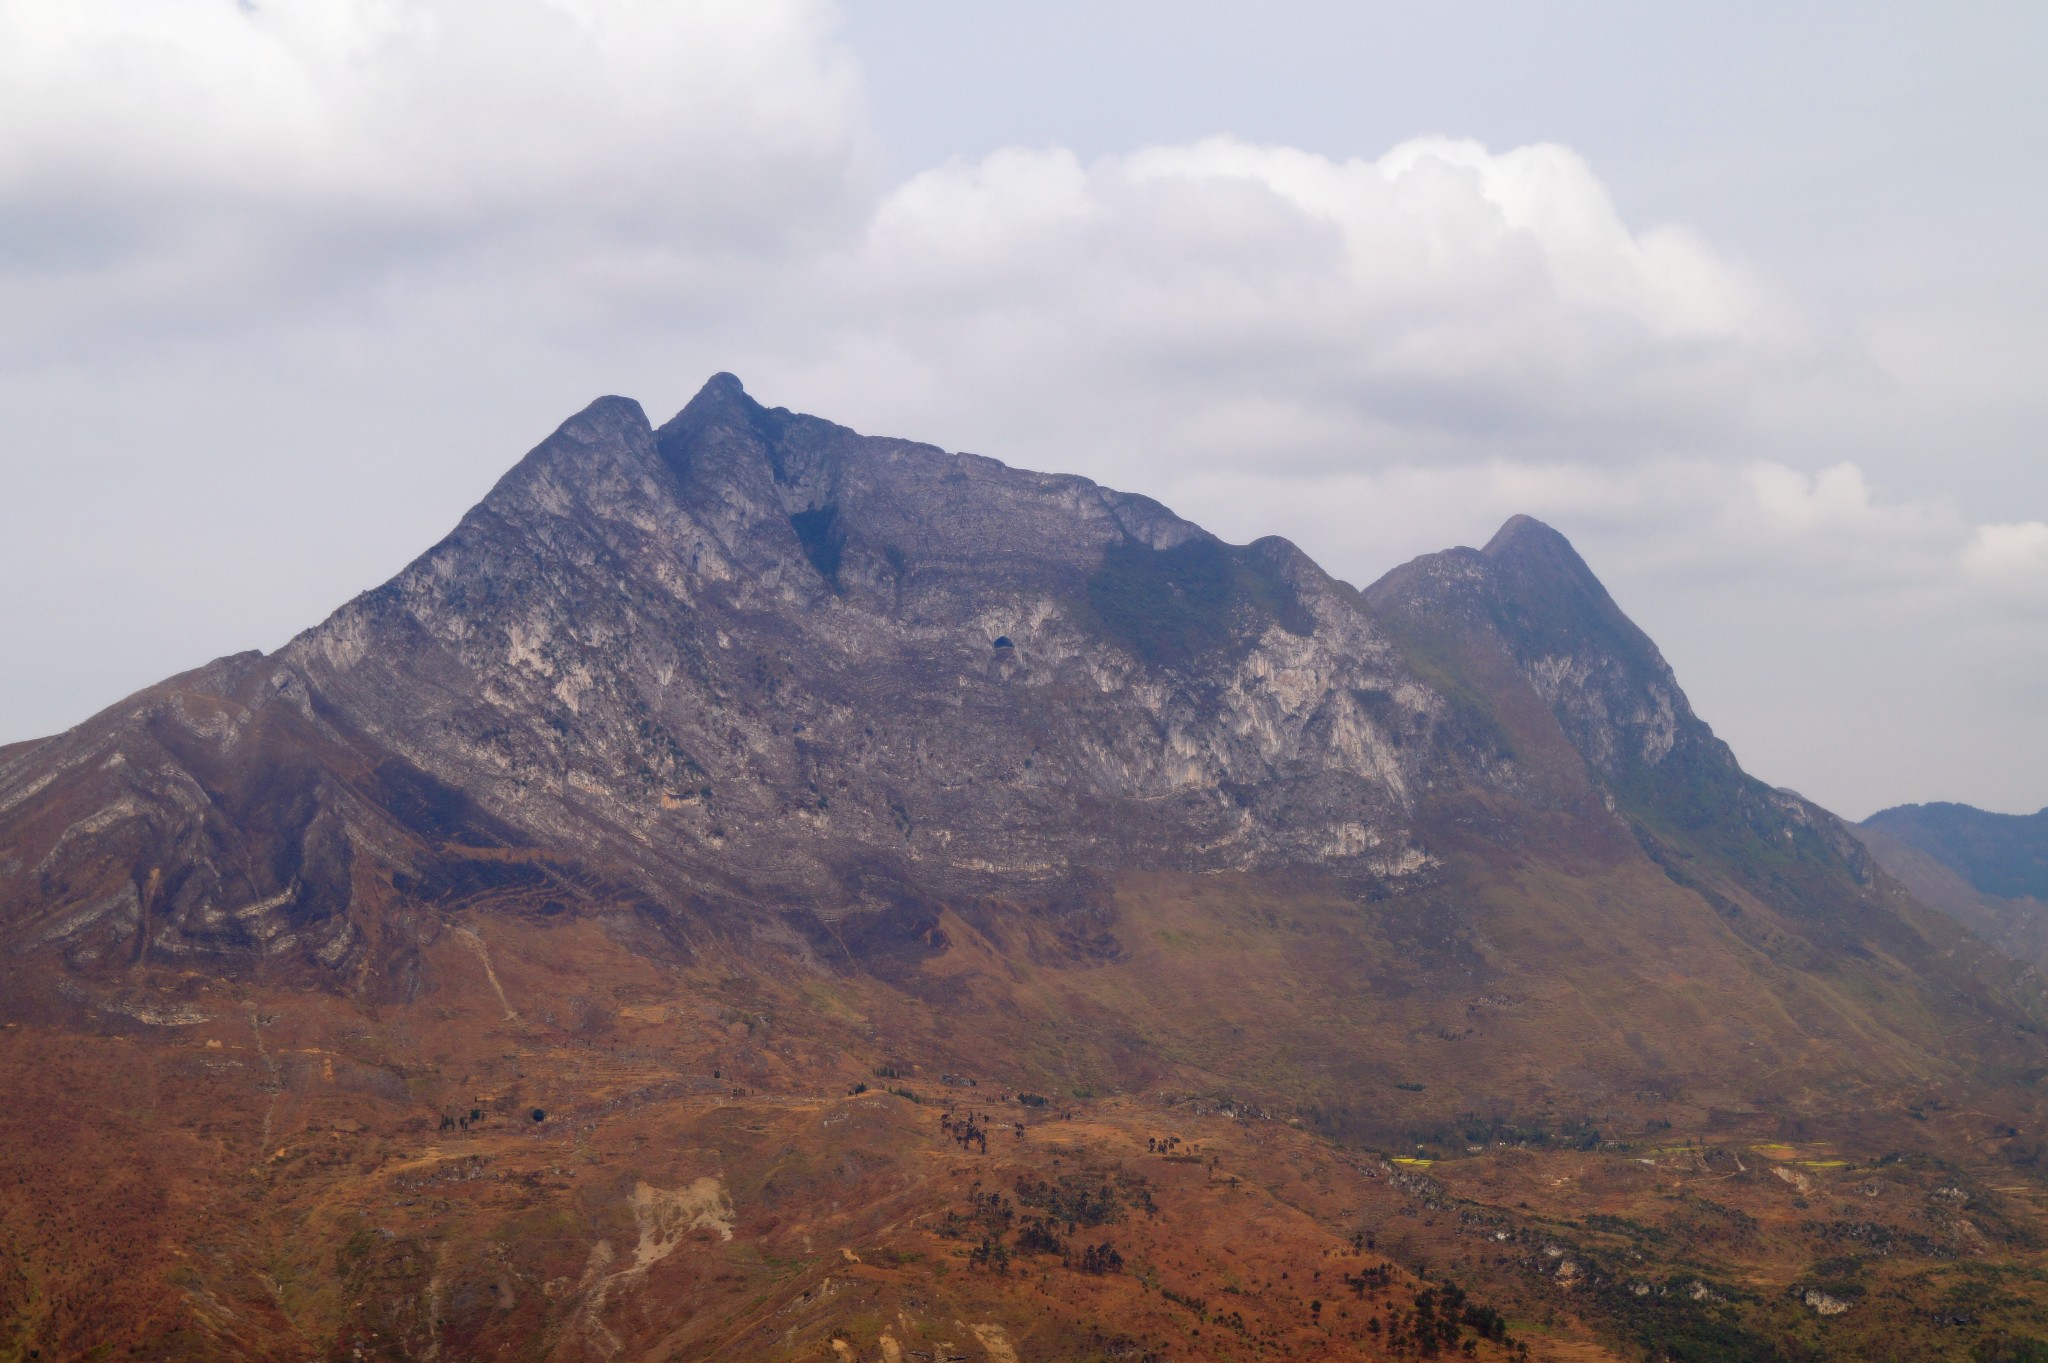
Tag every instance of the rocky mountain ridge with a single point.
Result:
(755, 657)
(751, 681)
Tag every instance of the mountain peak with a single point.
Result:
(1521, 531)
(592, 447)
(1550, 593)
(606, 421)
(1540, 556)
(721, 392)
(1529, 597)
(723, 417)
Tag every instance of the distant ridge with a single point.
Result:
(2001, 854)
(1988, 871)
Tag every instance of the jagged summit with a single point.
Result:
(753, 672)
(1543, 580)
(607, 422)
(1525, 532)
(1543, 577)
(743, 663)
(722, 386)
(743, 654)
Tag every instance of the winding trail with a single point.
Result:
(476, 944)
(275, 1084)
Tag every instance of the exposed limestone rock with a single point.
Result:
(754, 675)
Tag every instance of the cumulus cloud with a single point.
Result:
(1247, 300)
(190, 160)
(2013, 549)
(426, 109)
(649, 170)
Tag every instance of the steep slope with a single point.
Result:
(1525, 621)
(754, 683)
(753, 661)
(705, 774)
(1579, 704)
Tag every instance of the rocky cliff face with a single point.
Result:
(753, 675)
(1592, 705)
(758, 649)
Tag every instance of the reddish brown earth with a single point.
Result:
(273, 1182)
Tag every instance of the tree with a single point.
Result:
(991, 1253)
(1101, 1259)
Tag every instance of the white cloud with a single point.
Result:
(1800, 501)
(1244, 300)
(649, 174)
(191, 161)
(2012, 549)
(451, 109)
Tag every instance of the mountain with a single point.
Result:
(1988, 871)
(744, 663)
(2001, 854)
(757, 890)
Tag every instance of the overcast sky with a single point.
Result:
(1751, 304)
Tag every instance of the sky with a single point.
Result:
(1749, 303)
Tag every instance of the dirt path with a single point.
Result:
(476, 944)
(274, 1083)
